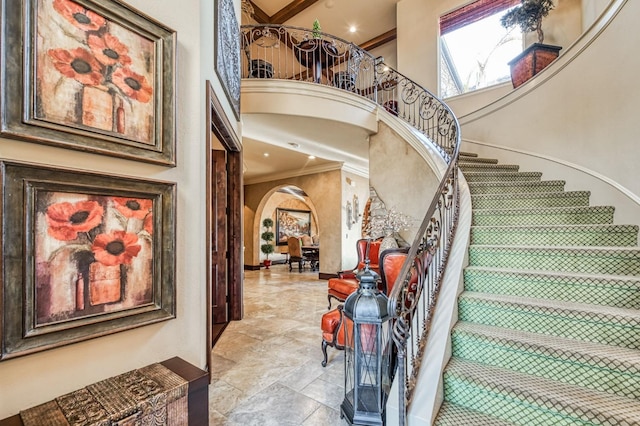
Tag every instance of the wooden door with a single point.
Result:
(219, 238)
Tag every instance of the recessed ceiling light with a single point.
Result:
(352, 29)
(312, 157)
(266, 154)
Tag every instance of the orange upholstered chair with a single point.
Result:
(361, 249)
(334, 322)
(346, 283)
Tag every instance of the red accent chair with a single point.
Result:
(334, 322)
(346, 283)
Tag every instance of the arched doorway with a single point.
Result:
(277, 202)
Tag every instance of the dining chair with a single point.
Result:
(295, 253)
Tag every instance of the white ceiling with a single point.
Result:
(333, 144)
(290, 140)
(370, 17)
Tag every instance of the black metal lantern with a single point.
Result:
(367, 352)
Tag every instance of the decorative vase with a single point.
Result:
(104, 284)
(388, 241)
(267, 263)
(97, 107)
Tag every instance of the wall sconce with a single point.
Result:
(356, 209)
(349, 215)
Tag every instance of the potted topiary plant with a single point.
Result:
(267, 248)
(528, 16)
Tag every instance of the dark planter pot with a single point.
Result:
(267, 263)
(531, 61)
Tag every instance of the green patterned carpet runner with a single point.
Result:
(548, 328)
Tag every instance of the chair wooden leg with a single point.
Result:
(331, 296)
(324, 353)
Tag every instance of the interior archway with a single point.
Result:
(285, 198)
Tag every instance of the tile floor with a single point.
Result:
(266, 368)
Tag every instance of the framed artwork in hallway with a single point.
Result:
(83, 255)
(291, 222)
(92, 75)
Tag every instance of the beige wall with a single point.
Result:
(352, 186)
(36, 378)
(580, 125)
(418, 33)
(591, 11)
(401, 177)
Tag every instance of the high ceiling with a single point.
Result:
(371, 18)
(289, 150)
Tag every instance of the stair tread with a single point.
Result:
(631, 280)
(456, 415)
(580, 401)
(503, 174)
(543, 210)
(481, 160)
(632, 315)
(630, 358)
(472, 164)
(498, 183)
(559, 228)
(603, 249)
(467, 154)
(535, 195)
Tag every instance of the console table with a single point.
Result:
(184, 384)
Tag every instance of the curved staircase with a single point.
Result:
(548, 329)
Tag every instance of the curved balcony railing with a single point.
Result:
(290, 53)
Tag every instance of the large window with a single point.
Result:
(474, 47)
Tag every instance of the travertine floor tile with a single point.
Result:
(266, 368)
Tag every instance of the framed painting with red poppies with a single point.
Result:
(83, 255)
(92, 75)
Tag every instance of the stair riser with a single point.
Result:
(576, 370)
(502, 177)
(597, 293)
(591, 328)
(476, 160)
(552, 200)
(546, 260)
(554, 238)
(543, 218)
(488, 168)
(507, 406)
(482, 188)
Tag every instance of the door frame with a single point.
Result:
(218, 123)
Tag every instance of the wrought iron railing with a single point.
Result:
(283, 52)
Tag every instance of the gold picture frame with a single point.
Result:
(83, 255)
(90, 75)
